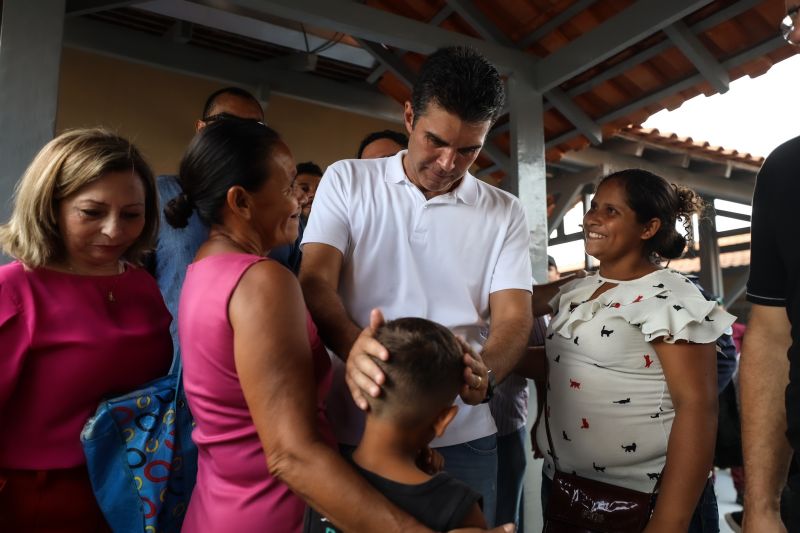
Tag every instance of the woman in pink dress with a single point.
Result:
(255, 372)
(79, 320)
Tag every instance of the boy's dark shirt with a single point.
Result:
(440, 503)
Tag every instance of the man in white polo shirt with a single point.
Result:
(417, 235)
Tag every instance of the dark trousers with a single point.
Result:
(511, 460)
(49, 501)
(790, 502)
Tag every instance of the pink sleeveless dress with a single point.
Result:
(234, 490)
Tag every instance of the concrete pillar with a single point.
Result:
(710, 270)
(30, 58)
(528, 166)
(528, 182)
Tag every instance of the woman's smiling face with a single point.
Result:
(610, 227)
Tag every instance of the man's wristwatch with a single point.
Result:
(490, 384)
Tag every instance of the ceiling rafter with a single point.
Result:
(475, 18)
(76, 8)
(732, 11)
(707, 23)
(568, 186)
(569, 109)
(131, 45)
(213, 15)
(395, 65)
(725, 14)
(495, 154)
(377, 25)
(688, 43)
(740, 190)
(733, 62)
(641, 19)
(437, 19)
(388, 61)
(555, 22)
(583, 122)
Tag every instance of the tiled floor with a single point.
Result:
(726, 498)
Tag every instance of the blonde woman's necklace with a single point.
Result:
(114, 279)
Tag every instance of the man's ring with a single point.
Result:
(480, 380)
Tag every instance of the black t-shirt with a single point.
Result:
(440, 503)
(775, 258)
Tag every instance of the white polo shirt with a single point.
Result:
(437, 259)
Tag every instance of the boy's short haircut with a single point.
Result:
(424, 372)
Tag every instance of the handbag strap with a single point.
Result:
(553, 448)
(547, 423)
(176, 369)
(177, 366)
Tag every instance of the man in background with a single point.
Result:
(382, 144)
(769, 380)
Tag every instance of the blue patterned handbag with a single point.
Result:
(141, 459)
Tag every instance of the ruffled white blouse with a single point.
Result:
(610, 411)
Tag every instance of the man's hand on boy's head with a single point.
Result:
(363, 376)
(476, 376)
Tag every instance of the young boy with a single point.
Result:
(423, 376)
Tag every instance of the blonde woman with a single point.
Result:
(79, 321)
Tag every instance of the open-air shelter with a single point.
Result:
(577, 71)
(578, 74)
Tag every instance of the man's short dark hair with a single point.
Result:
(424, 372)
(233, 91)
(462, 82)
(551, 262)
(395, 136)
(309, 167)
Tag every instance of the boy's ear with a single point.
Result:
(443, 419)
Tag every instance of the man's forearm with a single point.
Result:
(336, 328)
(506, 345)
(763, 376)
